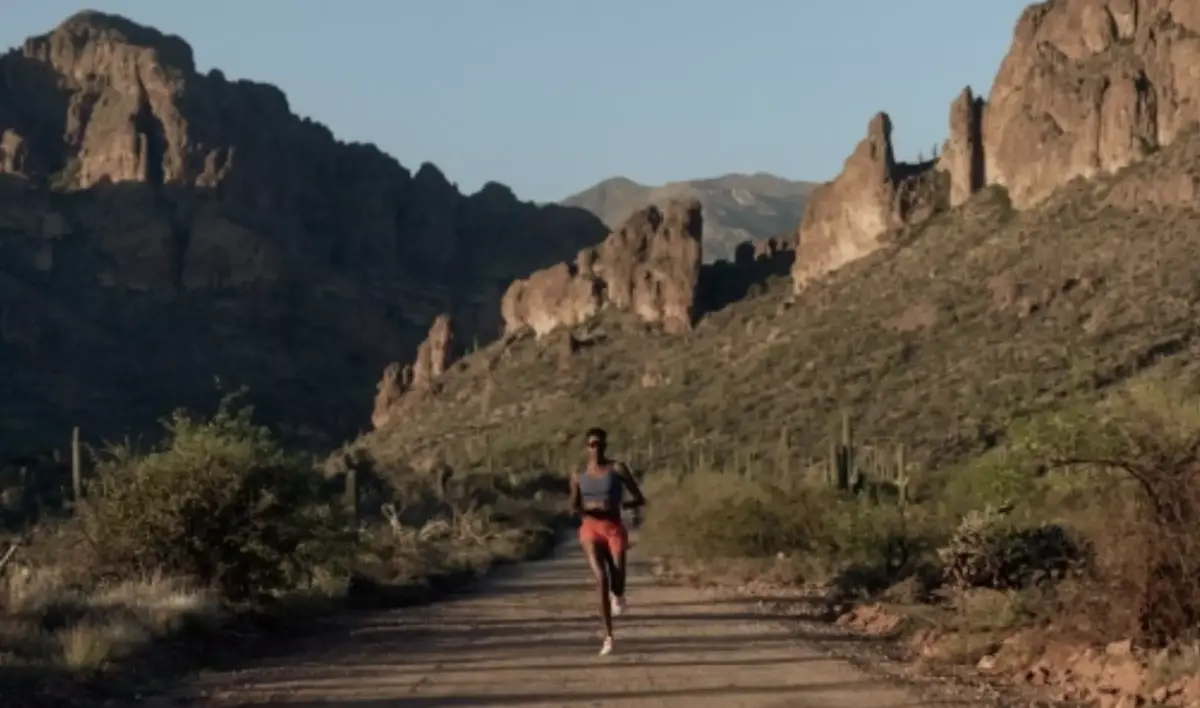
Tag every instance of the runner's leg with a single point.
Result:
(617, 574)
(597, 555)
(618, 546)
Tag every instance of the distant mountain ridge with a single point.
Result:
(737, 207)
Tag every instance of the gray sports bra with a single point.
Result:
(606, 487)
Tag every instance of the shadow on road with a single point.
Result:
(734, 694)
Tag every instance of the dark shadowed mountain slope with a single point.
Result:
(160, 228)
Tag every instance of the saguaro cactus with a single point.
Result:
(901, 478)
(76, 466)
(847, 473)
(352, 495)
(8, 556)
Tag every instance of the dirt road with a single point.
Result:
(529, 638)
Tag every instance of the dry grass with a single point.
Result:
(50, 621)
(396, 560)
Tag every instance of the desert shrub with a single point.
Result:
(987, 552)
(714, 515)
(872, 546)
(217, 500)
(1149, 434)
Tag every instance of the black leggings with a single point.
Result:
(616, 574)
(608, 569)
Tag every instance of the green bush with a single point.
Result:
(219, 501)
(715, 515)
(724, 515)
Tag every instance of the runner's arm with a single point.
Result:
(575, 501)
(626, 475)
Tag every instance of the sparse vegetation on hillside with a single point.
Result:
(974, 320)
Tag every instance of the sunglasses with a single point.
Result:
(594, 443)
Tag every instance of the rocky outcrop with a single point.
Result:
(1087, 87)
(650, 267)
(392, 387)
(434, 355)
(737, 207)
(202, 229)
(873, 194)
(768, 251)
(962, 156)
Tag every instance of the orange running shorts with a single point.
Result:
(611, 534)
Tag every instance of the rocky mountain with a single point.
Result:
(649, 272)
(649, 266)
(1088, 87)
(161, 228)
(1045, 256)
(737, 207)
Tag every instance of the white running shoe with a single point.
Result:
(607, 647)
(618, 605)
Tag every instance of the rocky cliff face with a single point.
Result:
(434, 355)
(1087, 87)
(873, 194)
(962, 157)
(178, 226)
(650, 267)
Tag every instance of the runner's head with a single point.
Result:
(597, 441)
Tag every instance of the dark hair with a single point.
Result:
(597, 433)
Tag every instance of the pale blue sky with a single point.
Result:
(551, 96)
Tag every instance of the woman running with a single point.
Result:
(596, 494)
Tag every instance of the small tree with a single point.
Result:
(1150, 434)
